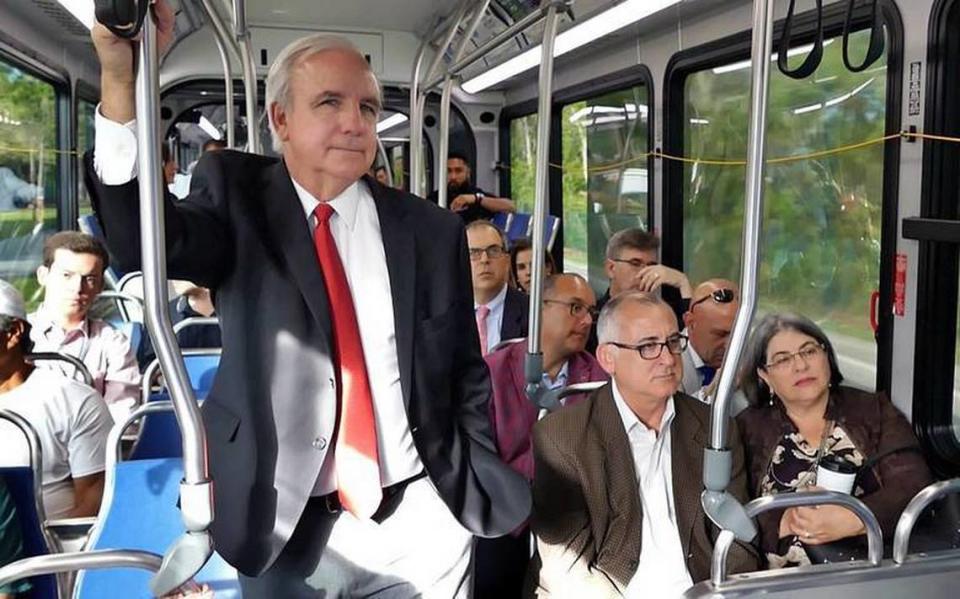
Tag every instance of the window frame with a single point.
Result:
(638, 74)
(736, 47)
(938, 269)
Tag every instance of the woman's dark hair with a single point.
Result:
(525, 244)
(755, 356)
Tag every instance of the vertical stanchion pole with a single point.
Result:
(242, 34)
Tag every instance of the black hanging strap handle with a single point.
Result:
(123, 18)
(812, 61)
(877, 40)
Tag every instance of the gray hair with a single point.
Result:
(278, 78)
(485, 224)
(609, 322)
(634, 239)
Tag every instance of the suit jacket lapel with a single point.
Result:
(400, 249)
(290, 231)
(687, 441)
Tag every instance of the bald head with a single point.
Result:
(709, 320)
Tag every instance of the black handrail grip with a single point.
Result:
(813, 59)
(877, 39)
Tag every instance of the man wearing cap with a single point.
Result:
(708, 321)
(70, 419)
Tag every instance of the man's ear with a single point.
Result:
(279, 118)
(42, 272)
(608, 265)
(15, 334)
(687, 317)
(605, 356)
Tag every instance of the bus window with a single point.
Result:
(822, 215)
(85, 122)
(523, 156)
(29, 186)
(605, 185)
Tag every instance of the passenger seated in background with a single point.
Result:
(521, 264)
(380, 174)
(632, 265)
(708, 321)
(69, 417)
(501, 311)
(193, 302)
(465, 198)
(11, 543)
(72, 277)
(617, 482)
(799, 416)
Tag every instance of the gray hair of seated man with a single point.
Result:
(609, 323)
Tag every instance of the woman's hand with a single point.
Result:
(821, 524)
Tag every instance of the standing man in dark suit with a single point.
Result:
(348, 441)
(501, 311)
(617, 477)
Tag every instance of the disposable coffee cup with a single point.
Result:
(836, 475)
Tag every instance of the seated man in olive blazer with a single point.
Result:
(617, 477)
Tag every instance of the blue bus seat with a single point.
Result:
(20, 484)
(142, 514)
(502, 220)
(550, 231)
(134, 332)
(519, 226)
(202, 369)
(159, 434)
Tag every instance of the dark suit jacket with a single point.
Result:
(271, 414)
(587, 513)
(516, 315)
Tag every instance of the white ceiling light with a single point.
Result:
(611, 20)
(745, 64)
(209, 128)
(82, 10)
(390, 122)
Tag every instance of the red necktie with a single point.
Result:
(357, 465)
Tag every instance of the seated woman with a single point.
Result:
(799, 415)
(521, 264)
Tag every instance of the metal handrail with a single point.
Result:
(189, 553)
(62, 357)
(242, 34)
(224, 41)
(718, 504)
(718, 565)
(195, 321)
(386, 161)
(911, 513)
(533, 364)
(152, 370)
(84, 560)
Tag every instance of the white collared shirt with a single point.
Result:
(494, 318)
(662, 571)
(356, 231)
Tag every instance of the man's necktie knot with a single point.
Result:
(323, 212)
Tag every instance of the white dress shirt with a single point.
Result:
(494, 318)
(662, 571)
(356, 231)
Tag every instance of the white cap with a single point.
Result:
(11, 301)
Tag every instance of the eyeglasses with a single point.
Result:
(577, 310)
(652, 350)
(721, 296)
(492, 251)
(783, 361)
(636, 263)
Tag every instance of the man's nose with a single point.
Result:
(351, 118)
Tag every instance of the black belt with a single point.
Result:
(392, 495)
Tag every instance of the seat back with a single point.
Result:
(24, 485)
(519, 227)
(550, 231)
(71, 366)
(139, 511)
(502, 220)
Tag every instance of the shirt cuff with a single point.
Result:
(114, 150)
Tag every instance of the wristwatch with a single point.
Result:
(479, 196)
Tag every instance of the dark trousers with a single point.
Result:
(501, 566)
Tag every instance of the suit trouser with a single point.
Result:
(420, 550)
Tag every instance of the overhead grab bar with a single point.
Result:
(533, 364)
(911, 513)
(718, 565)
(224, 41)
(723, 508)
(242, 34)
(189, 553)
(448, 82)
